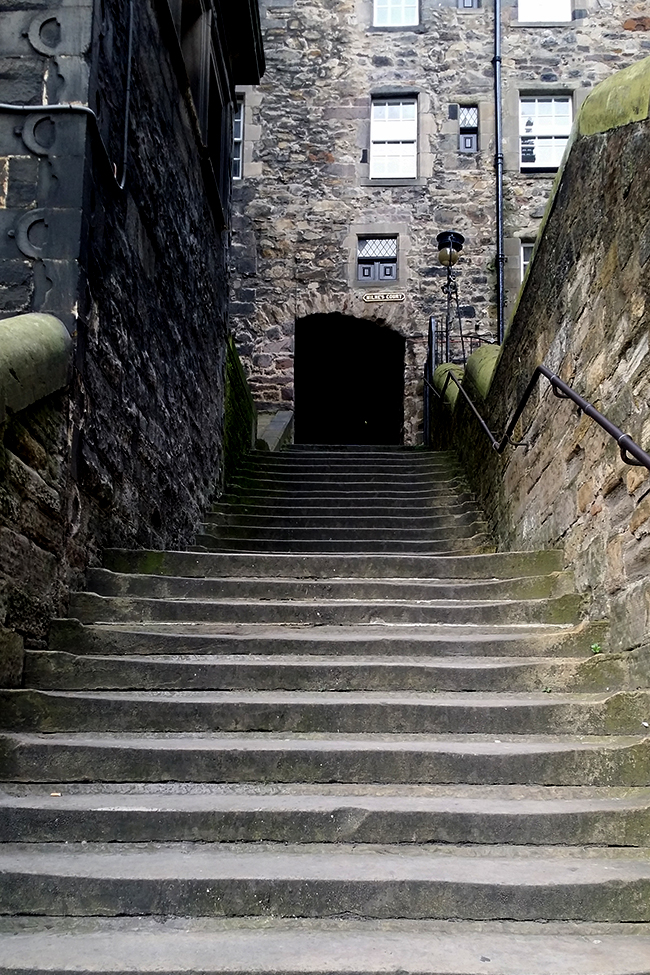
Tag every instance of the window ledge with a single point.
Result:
(400, 28)
(415, 181)
(543, 23)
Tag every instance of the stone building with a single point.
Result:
(373, 131)
(115, 161)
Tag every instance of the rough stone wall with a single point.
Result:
(584, 313)
(33, 530)
(134, 451)
(149, 394)
(306, 196)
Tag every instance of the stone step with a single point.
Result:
(382, 467)
(317, 521)
(254, 638)
(280, 880)
(429, 499)
(395, 508)
(294, 814)
(340, 475)
(492, 565)
(288, 532)
(347, 712)
(90, 607)
(59, 670)
(107, 583)
(284, 757)
(121, 946)
(376, 545)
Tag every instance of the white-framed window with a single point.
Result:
(468, 4)
(527, 248)
(544, 129)
(238, 139)
(377, 258)
(393, 138)
(543, 11)
(395, 13)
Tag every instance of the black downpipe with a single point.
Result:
(498, 133)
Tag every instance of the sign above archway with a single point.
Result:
(384, 296)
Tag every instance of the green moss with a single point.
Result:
(621, 99)
(480, 369)
(440, 377)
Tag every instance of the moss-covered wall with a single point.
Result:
(584, 312)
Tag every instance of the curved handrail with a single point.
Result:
(630, 451)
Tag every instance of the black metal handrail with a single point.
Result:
(630, 451)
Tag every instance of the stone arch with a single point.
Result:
(349, 381)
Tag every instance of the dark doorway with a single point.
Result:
(349, 381)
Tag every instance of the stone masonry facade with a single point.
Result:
(306, 195)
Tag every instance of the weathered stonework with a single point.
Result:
(584, 313)
(306, 195)
(131, 253)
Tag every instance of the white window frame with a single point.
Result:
(544, 11)
(544, 130)
(526, 255)
(394, 137)
(238, 138)
(396, 13)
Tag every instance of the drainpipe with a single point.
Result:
(498, 161)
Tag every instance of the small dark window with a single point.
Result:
(468, 125)
(377, 259)
(469, 4)
(238, 140)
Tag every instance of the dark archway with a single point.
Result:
(349, 381)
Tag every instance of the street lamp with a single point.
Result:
(450, 244)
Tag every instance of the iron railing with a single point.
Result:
(630, 451)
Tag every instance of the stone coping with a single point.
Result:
(35, 360)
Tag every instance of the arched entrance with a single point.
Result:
(349, 381)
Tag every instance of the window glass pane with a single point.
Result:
(377, 246)
(237, 140)
(393, 138)
(395, 13)
(549, 11)
(468, 116)
(545, 116)
(526, 256)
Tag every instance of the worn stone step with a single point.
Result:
(518, 883)
(342, 476)
(379, 467)
(499, 565)
(108, 583)
(228, 814)
(121, 946)
(317, 521)
(310, 507)
(92, 608)
(433, 499)
(289, 532)
(376, 545)
(284, 757)
(518, 640)
(348, 712)
(57, 670)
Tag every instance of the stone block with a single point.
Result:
(11, 658)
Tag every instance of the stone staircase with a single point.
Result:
(340, 736)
